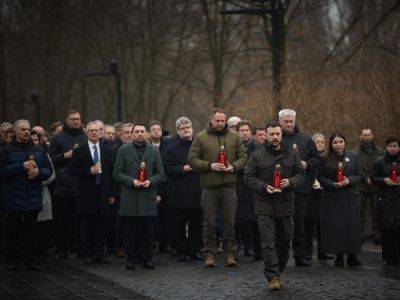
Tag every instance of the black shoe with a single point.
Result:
(302, 263)
(248, 252)
(89, 261)
(148, 265)
(33, 267)
(391, 262)
(173, 252)
(377, 241)
(324, 257)
(257, 257)
(130, 265)
(13, 266)
(181, 257)
(102, 261)
(63, 255)
(196, 256)
(339, 260)
(352, 261)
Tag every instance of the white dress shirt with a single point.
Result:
(91, 148)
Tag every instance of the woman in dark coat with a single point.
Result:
(389, 204)
(340, 209)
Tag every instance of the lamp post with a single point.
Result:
(276, 45)
(113, 71)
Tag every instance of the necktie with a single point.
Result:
(96, 160)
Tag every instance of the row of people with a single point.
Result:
(224, 173)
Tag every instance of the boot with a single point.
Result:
(352, 260)
(275, 283)
(339, 260)
(209, 260)
(230, 260)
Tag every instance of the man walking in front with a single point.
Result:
(218, 181)
(274, 204)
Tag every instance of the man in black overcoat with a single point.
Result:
(92, 163)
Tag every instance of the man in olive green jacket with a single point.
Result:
(138, 199)
(218, 183)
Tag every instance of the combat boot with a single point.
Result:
(275, 283)
(209, 260)
(230, 260)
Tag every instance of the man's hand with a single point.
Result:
(158, 199)
(68, 154)
(33, 173)
(284, 183)
(29, 164)
(345, 181)
(368, 181)
(229, 168)
(136, 183)
(342, 184)
(217, 167)
(187, 168)
(95, 169)
(269, 189)
(146, 184)
(304, 165)
(111, 200)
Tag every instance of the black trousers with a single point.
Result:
(21, 227)
(390, 239)
(44, 235)
(139, 235)
(111, 228)
(93, 234)
(162, 224)
(187, 242)
(67, 222)
(309, 234)
(299, 237)
(250, 236)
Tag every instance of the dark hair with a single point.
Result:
(392, 139)
(217, 110)
(272, 124)
(365, 128)
(332, 137)
(152, 123)
(33, 132)
(243, 123)
(71, 112)
(139, 124)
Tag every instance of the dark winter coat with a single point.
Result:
(135, 201)
(20, 193)
(259, 172)
(88, 201)
(183, 188)
(66, 185)
(245, 210)
(389, 202)
(340, 209)
(313, 212)
(366, 157)
(307, 151)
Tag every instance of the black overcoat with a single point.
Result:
(89, 200)
(183, 188)
(340, 208)
(389, 202)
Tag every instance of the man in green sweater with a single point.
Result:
(218, 182)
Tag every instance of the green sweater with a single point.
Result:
(204, 151)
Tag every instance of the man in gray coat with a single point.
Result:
(138, 199)
(274, 209)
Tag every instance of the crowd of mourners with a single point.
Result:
(131, 189)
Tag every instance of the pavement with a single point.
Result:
(171, 279)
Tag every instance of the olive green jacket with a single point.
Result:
(138, 201)
(204, 151)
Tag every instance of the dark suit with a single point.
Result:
(92, 202)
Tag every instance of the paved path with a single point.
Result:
(189, 280)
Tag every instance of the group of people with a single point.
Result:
(125, 188)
